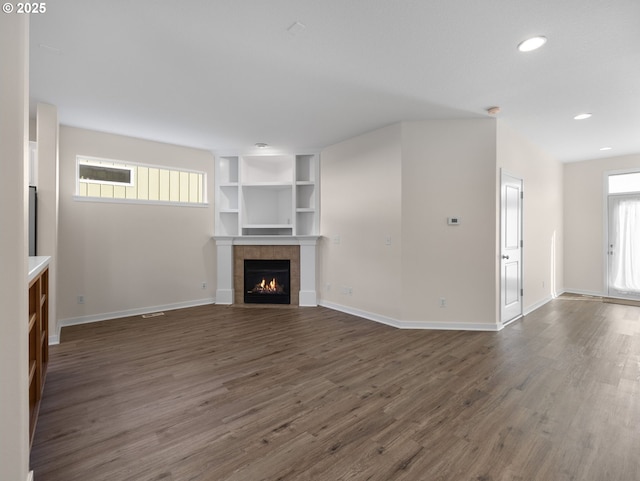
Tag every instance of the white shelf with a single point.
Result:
(227, 170)
(267, 229)
(227, 197)
(305, 196)
(274, 185)
(267, 205)
(305, 222)
(272, 195)
(260, 169)
(227, 223)
(267, 226)
(267, 183)
(305, 168)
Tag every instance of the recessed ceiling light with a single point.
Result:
(606, 148)
(532, 43)
(261, 145)
(582, 116)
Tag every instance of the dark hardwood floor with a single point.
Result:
(237, 394)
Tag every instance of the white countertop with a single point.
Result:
(37, 265)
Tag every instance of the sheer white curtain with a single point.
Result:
(625, 240)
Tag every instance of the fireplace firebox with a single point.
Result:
(267, 281)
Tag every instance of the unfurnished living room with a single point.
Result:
(320, 240)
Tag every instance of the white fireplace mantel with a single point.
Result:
(307, 243)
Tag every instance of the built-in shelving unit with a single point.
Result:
(306, 194)
(267, 195)
(38, 343)
(227, 195)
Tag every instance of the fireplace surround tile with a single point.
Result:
(232, 250)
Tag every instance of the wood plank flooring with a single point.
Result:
(219, 393)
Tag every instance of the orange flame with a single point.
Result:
(264, 286)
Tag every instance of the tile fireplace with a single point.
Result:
(298, 251)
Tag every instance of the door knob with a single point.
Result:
(505, 257)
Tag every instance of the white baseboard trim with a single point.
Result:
(583, 292)
(447, 326)
(74, 321)
(537, 305)
(224, 296)
(511, 321)
(307, 299)
(30, 476)
(360, 313)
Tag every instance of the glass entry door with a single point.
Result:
(624, 245)
(623, 234)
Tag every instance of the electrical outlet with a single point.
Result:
(80, 299)
(443, 302)
(204, 285)
(349, 291)
(387, 240)
(327, 287)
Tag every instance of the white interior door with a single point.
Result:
(624, 246)
(510, 248)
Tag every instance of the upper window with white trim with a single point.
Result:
(114, 180)
(625, 182)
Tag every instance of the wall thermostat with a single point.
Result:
(453, 220)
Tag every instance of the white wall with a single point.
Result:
(404, 181)
(584, 222)
(401, 183)
(47, 168)
(131, 258)
(543, 219)
(14, 152)
(448, 170)
(361, 208)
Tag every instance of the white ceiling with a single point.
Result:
(225, 74)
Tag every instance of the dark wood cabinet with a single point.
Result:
(38, 343)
